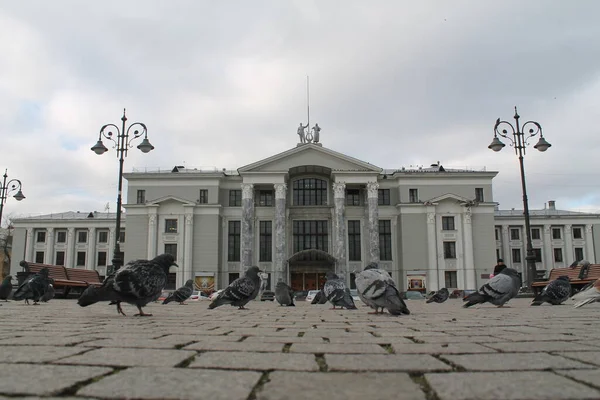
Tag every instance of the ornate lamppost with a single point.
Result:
(519, 141)
(122, 142)
(6, 189)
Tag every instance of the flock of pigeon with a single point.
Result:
(140, 282)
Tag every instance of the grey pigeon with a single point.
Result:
(138, 283)
(181, 294)
(49, 295)
(377, 289)
(319, 298)
(284, 294)
(554, 293)
(6, 288)
(240, 291)
(589, 294)
(440, 296)
(337, 293)
(498, 290)
(34, 287)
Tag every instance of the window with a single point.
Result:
(141, 197)
(558, 255)
(233, 276)
(535, 233)
(556, 233)
(577, 233)
(102, 258)
(353, 197)
(479, 194)
(354, 241)
(448, 223)
(538, 255)
(497, 233)
(385, 240)
(514, 234)
(449, 249)
(310, 235)
(203, 197)
(451, 279)
(235, 198)
(122, 237)
(352, 281)
(516, 255)
(578, 253)
(171, 248)
(170, 226)
(413, 195)
(39, 257)
(383, 197)
(60, 258)
(82, 236)
(103, 237)
(233, 242)
(498, 254)
(41, 237)
(61, 237)
(80, 258)
(265, 241)
(309, 192)
(265, 198)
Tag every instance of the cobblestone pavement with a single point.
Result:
(439, 352)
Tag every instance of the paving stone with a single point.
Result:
(513, 362)
(36, 354)
(342, 386)
(372, 339)
(174, 383)
(591, 377)
(328, 348)
(539, 346)
(236, 346)
(592, 357)
(283, 339)
(127, 357)
(256, 361)
(455, 339)
(439, 348)
(131, 342)
(530, 385)
(384, 362)
(44, 379)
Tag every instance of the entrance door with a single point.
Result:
(310, 281)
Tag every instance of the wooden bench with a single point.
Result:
(573, 274)
(65, 279)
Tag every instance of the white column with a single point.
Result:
(470, 278)
(29, 245)
(432, 276)
(279, 231)
(70, 253)
(589, 244)
(152, 233)
(90, 262)
(48, 257)
(339, 199)
(187, 247)
(373, 220)
(506, 256)
(547, 259)
(247, 225)
(569, 252)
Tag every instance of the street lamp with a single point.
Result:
(519, 141)
(122, 143)
(6, 189)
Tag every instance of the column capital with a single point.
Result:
(431, 218)
(50, 230)
(467, 215)
(567, 228)
(152, 219)
(280, 190)
(339, 189)
(247, 189)
(189, 219)
(372, 189)
(588, 228)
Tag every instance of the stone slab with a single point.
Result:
(589, 376)
(440, 348)
(539, 346)
(236, 346)
(36, 354)
(127, 357)
(256, 361)
(592, 357)
(328, 348)
(513, 361)
(387, 362)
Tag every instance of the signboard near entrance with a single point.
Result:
(416, 282)
(205, 282)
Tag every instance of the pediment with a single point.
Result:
(309, 154)
(167, 199)
(449, 196)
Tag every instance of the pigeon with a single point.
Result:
(34, 287)
(284, 294)
(240, 291)
(6, 288)
(554, 293)
(49, 295)
(319, 298)
(588, 294)
(440, 296)
(337, 293)
(181, 294)
(498, 290)
(377, 289)
(138, 283)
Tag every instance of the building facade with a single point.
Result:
(296, 215)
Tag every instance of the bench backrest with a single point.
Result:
(85, 275)
(54, 271)
(573, 273)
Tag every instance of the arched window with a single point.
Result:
(310, 192)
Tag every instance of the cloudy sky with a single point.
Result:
(223, 84)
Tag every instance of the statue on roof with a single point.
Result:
(301, 132)
(310, 136)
